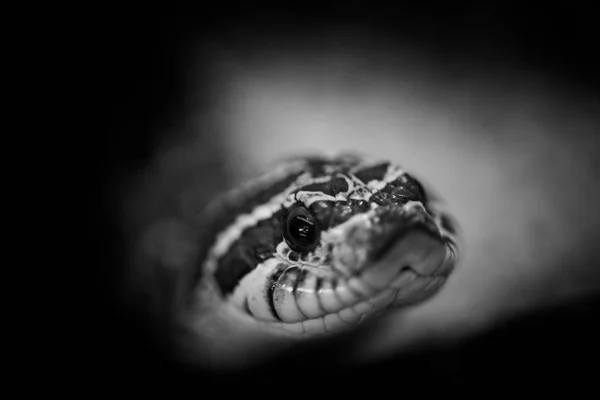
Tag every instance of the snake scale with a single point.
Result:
(312, 248)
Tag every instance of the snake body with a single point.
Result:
(314, 247)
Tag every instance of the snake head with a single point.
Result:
(324, 243)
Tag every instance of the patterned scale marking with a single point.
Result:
(306, 292)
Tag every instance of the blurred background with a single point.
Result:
(496, 106)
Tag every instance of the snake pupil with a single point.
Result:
(302, 232)
(305, 230)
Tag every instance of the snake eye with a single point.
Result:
(301, 230)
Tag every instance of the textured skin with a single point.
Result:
(382, 243)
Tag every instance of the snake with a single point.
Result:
(313, 248)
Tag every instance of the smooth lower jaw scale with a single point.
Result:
(343, 319)
(313, 297)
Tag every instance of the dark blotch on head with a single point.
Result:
(331, 188)
(376, 172)
(293, 256)
(404, 189)
(324, 187)
(322, 210)
(255, 245)
(338, 185)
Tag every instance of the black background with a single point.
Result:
(134, 75)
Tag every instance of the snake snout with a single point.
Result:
(399, 223)
(416, 253)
